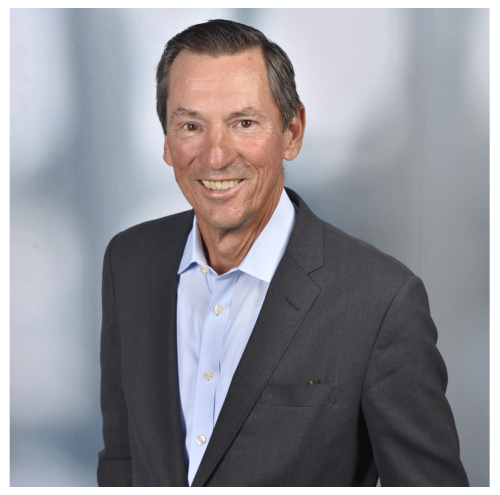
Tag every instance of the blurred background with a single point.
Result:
(396, 153)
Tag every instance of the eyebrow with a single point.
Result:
(184, 112)
(245, 112)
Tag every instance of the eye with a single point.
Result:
(246, 123)
(191, 127)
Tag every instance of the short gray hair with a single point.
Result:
(222, 37)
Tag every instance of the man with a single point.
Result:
(246, 342)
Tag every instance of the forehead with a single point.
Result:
(191, 73)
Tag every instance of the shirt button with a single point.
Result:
(218, 309)
(204, 270)
(209, 374)
(201, 439)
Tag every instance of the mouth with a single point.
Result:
(221, 186)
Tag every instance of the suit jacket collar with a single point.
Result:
(289, 298)
(306, 241)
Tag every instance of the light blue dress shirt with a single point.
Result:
(215, 317)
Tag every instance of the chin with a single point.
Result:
(224, 221)
(223, 224)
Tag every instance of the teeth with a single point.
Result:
(220, 186)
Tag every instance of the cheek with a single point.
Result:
(266, 153)
(183, 152)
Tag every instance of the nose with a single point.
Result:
(218, 148)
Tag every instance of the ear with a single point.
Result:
(166, 153)
(295, 134)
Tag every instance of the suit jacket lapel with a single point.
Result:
(164, 308)
(289, 298)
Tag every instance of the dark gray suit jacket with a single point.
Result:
(337, 311)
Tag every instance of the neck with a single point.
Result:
(226, 248)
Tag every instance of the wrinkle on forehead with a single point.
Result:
(191, 69)
(218, 82)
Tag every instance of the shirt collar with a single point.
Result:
(266, 252)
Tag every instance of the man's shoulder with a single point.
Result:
(345, 256)
(152, 234)
(153, 228)
(360, 259)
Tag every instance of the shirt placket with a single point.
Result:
(209, 366)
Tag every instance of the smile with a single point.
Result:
(220, 185)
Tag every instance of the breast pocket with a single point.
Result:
(299, 395)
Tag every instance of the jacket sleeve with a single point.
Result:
(115, 463)
(409, 419)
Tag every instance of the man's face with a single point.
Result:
(223, 125)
